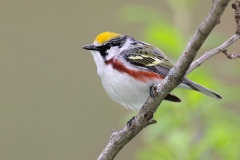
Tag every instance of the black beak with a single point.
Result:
(91, 47)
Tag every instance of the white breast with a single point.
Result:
(121, 87)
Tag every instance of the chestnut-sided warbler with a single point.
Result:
(128, 68)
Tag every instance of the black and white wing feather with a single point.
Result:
(150, 58)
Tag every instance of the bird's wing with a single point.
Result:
(150, 58)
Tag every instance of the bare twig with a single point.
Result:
(225, 45)
(213, 52)
(119, 139)
(231, 55)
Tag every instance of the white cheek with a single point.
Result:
(112, 52)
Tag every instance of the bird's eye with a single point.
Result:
(107, 46)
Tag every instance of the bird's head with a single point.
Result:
(109, 44)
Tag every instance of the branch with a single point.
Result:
(231, 55)
(225, 45)
(236, 6)
(144, 118)
(215, 51)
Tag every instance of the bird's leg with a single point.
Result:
(152, 91)
(130, 122)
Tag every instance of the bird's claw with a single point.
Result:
(152, 91)
(130, 122)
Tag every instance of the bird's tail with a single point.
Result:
(201, 89)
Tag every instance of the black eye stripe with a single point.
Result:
(113, 42)
(120, 41)
(104, 47)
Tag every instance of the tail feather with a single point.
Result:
(172, 98)
(201, 89)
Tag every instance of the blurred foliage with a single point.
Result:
(199, 127)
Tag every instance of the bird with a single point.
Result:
(129, 68)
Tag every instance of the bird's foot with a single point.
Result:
(152, 91)
(130, 122)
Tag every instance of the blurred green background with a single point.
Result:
(53, 106)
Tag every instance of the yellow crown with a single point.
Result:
(106, 36)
